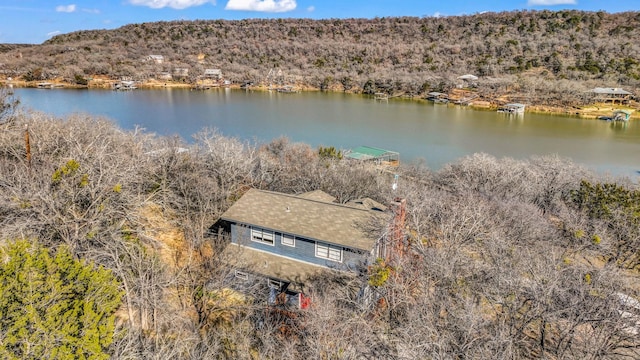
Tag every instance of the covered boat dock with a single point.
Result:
(618, 115)
(438, 97)
(513, 108)
(380, 156)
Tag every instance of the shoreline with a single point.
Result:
(589, 111)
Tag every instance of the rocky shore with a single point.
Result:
(589, 111)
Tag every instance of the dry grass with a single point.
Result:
(158, 227)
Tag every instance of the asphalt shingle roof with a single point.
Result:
(273, 266)
(610, 91)
(308, 218)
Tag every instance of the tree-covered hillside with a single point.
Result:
(543, 55)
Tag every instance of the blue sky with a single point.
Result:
(34, 21)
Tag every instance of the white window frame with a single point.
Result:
(263, 236)
(274, 284)
(328, 252)
(291, 240)
(241, 275)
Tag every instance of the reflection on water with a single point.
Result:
(436, 133)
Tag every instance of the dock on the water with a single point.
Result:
(380, 156)
(513, 108)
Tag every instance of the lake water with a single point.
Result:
(419, 131)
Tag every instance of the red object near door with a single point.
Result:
(305, 301)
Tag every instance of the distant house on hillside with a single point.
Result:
(215, 74)
(158, 59)
(612, 95)
(285, 239)
(468, 80)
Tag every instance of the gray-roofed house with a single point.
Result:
(612, 95)
(215, 74)
(285, 239)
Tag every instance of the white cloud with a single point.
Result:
(437, 14)
(175, 4)
(91, 11)
(53, 33)
(550, 2)
(311, 8)
(262, 5)
(66, 8)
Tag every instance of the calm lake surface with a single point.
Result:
(419, 131)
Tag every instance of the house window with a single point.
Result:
(262, 236)
(288, 240)
(274, 284)
(242, 275)
(328, 252)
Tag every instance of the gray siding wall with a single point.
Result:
(304, 250)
